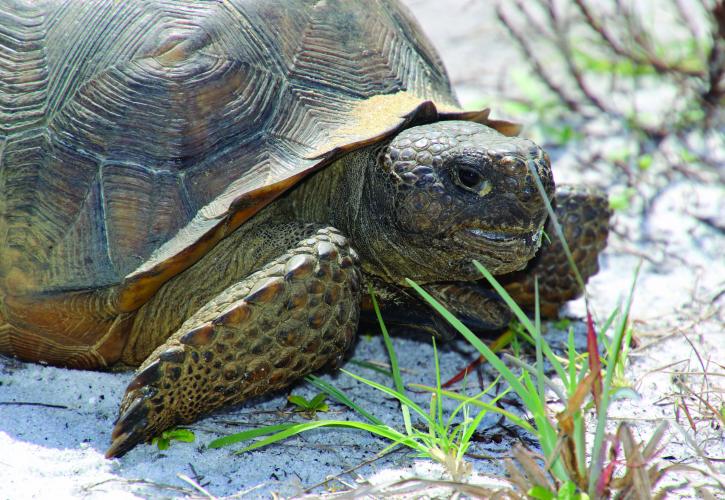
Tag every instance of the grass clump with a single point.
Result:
(618, 464)
(309, 407)
(565, 472)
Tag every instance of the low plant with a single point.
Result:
(565, 472)
(164, 440)
(309, 407)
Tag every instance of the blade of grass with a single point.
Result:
(247, 435)
(537, 338)
(335, 393)
(597, 458)
(473, 400)
(476, 397)
(529, 400)
(557, 227)
(439, 398)
(405, 400)
(533, 371)
(379, 430)
(521, 316)
(370, 366)
(545, 429)
(393, 360)
(571, 352)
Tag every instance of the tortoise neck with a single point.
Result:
(330, 196)
(349, 196)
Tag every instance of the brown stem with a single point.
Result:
(565, 48)
(716, 64)
(569, 102)
(650, 59)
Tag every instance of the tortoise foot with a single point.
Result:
(294, 316)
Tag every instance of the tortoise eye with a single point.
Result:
(468, 178)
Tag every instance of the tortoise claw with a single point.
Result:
(132, 426)
(148, 406)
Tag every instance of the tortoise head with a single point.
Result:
(449, 192)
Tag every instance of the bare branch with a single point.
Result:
(650, 59)
(520, 39)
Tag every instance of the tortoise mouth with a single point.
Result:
(519, 243)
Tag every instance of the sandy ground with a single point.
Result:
(55, 423)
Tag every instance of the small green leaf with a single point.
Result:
(318, 401)
(567, 491)
(299, 401)
(620, 201)
(621, 155)
(183, 435)
(247, 435)
(163, 441)
(644, 162)
(562, 324)
(687, 156)
(541, 493)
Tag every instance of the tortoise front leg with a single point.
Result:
(295, 315)
(584, 217)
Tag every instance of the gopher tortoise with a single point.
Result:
(206, 190)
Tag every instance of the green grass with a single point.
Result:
(445, 438)
(569, 431)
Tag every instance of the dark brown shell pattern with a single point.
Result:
(134, 135)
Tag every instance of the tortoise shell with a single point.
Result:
(135, 135)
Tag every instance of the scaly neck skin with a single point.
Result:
(352, 195)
